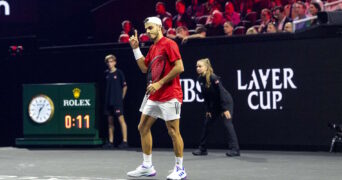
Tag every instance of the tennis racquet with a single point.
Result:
(156, 69)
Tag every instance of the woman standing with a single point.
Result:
(218, 107)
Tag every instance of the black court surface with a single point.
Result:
(99, 164)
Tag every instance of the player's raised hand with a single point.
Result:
(133, 40)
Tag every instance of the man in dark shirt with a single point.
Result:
(116, 88)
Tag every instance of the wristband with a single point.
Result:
(137, 53)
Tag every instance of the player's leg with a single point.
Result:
(144, 127)
(177, 140)
(178, 146)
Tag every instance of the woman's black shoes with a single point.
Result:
(232, 153)
(200, 152)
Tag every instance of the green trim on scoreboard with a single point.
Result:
(60, 114)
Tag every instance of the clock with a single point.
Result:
(41, 109)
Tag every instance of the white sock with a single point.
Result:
(147, 160)
(179, 162)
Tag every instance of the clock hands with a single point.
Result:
(40, 109)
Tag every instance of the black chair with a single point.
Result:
(201, 20)
(245, 23)
(251, 17)
(239, 30)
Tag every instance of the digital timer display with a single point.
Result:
(80, 121)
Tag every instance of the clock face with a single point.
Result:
(41, 109)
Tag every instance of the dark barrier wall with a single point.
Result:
(286, 88)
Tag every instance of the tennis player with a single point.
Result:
(163, 96)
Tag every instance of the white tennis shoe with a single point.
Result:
(177, 174)
(142, 171)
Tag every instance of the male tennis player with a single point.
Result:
(163, 96)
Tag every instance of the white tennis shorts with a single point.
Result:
(169, 110)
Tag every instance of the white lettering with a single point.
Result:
(254, 107)
(198, 87)
(6, 7)
(277, 96)
(254, 81)
(268, 100)
(288, 75)
(240, 87)
(189, 93)
(264, 77)
(75, 102)
(275, 78)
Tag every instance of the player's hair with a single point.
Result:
(110, 56)
(209, 71)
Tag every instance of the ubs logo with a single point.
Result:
(4, 7)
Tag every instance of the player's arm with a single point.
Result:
(139, 57)
(177, 69)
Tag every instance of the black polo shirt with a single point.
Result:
(115, 81)
(216, 97)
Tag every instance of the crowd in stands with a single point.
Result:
(232, 17)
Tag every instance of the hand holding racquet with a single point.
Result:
(152, 88)
(133, 40)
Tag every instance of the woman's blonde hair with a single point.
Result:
(209, 71)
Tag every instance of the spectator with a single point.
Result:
(314, 9)
(171, 32)
(293, 12)
(210, 6)
(271, 28)
(251, 30)
(167, 24)
(260, 5)
(288, 27)
(265, 19)
(243, 6)
(215, 28)
(200, 32)
(276, 3)
(182, 18)
(161, 10)
(123, 38)
(127, 27)
(228, 28)
(144, 38)
(194, 10)
(181, 33)
(301, 10)
(230, 14)
(281, 19)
